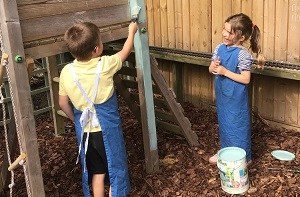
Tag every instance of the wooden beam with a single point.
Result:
(58, 121)
(177, 110)
(13, 45)
(142, 57)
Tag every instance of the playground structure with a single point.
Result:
(25, 30)
(34, 29)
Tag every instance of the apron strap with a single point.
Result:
(88, 112)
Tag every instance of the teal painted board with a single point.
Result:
(142, 56)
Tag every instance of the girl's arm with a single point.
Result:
(65, 106)
(243, 78)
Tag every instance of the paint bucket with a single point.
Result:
(233, 171)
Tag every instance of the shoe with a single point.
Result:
(249, 162)
(213, 159)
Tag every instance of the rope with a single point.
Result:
(17, 126)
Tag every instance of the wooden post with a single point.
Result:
(142, 56)
(52, 70)
(13, 45)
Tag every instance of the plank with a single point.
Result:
(150, 21)
(171, 23)
(236, 6)
(205, 25)
(247, 7)
(217, 23)
(269, 30)
(34, 29)
(280, 92)
(157, 22)
(23, 109)
(52, 71)
(44, 8)
(291, 101)
(183, 122)
(164, 23)
(293, 48)
(52, 47)
(281, 30)
(186, 29)
(123, 91)
(142, 57)
(195, 24)
(178, 24)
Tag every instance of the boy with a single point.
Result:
(88, 84)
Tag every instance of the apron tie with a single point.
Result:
(88, 113)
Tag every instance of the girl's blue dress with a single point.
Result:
(232, 104)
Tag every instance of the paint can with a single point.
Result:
(233, 170)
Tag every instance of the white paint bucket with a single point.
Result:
(233, 171)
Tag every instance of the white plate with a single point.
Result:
(283, 155)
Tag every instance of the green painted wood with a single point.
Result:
(142, 56)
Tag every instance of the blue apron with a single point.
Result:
(232, 104)
(108, 115)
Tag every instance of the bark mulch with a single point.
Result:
(184, 170)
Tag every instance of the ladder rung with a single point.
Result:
(56, 79)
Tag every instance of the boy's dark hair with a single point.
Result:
(81, 40)
(242, 25)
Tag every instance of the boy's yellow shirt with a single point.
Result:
(86, 73)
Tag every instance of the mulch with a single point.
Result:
(183, 170)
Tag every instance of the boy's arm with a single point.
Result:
(65, 106)
(128, 45)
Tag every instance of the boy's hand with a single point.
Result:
(132, 28)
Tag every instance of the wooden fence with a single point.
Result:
(196, 25)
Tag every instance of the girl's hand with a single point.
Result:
(219, 70)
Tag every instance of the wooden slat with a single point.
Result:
(247, 7)
(57, 47)
(12, 41)
(281, 28)
(58, 121)
(169, 127)
(186, 29)
(164, 23)
(293, 47)
(47, 8)
(236, 6)
(178, 24)
(34, 29)
(279, 99)
(217, 23)
(150, 21)
(123, 91)
(171, 23)
(157, 22)
(142, 57)
(128, 71)
(292, 100)
(183, 122)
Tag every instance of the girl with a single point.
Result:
(231, 64)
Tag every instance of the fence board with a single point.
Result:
(157, 22)
(164, 23)
(186, 24)
(236, 6)
(293, 31)
(171, 23)
(150, 22)
(281, 29)
(178, 24)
